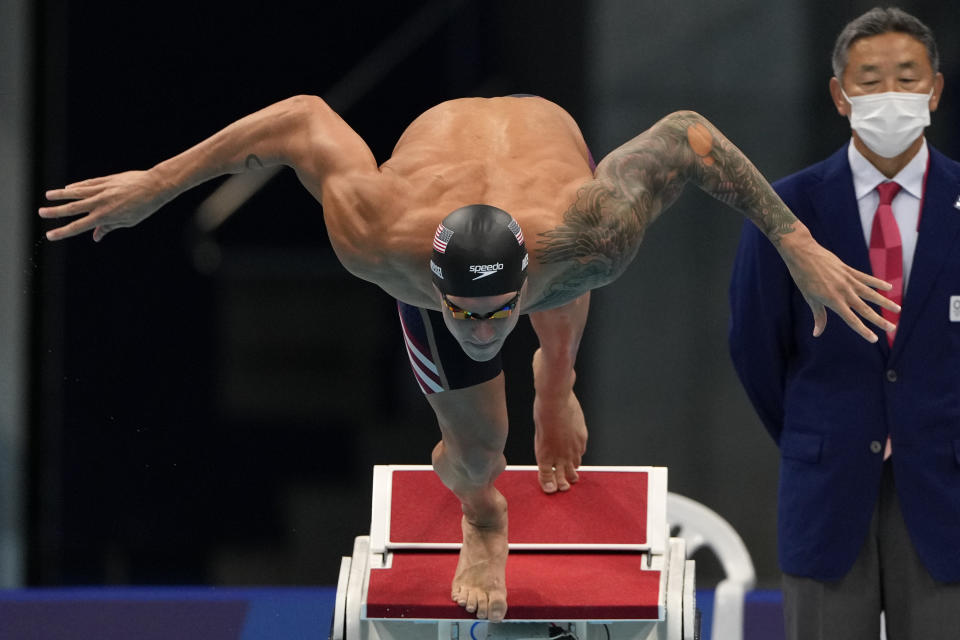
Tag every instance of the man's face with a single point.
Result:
(480, 339)
(887, 62)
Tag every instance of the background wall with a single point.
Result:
(15, 167)
(205, 406)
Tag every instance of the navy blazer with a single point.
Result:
(829, 402)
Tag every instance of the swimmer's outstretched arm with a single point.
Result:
(560, 438)
(637, 181)
(301, 132)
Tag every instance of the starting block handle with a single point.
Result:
(338, 624)
(676, 566)
(359, 567)
(691, 630)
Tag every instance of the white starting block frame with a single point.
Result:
(652, 550)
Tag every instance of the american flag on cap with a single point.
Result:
(441, 238)
(514, 226)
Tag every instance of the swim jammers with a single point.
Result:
(438, 361)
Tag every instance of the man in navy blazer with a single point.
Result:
(869, 434)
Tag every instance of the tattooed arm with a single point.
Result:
(602, 230)
(301, 132)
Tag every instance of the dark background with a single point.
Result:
(206, 407)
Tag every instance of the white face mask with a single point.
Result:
(889, 122)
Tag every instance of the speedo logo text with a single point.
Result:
(484, 270)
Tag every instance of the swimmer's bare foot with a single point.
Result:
(480, 581)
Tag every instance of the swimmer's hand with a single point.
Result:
(111, 202)
(560, 438)
(826, 281)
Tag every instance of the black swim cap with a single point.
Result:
(478, 250)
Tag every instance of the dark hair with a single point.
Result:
(878, 21)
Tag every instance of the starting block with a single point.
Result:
(594, 563)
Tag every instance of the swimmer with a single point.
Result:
(443, 226)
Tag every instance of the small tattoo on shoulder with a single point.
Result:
(253, 162)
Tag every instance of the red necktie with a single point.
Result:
(886, 253)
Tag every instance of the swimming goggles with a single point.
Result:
(496, 314)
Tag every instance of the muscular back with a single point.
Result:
(523, 155)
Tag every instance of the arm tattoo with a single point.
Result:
(597, 240)
(253, 162)
(726, 174)
(602, 230)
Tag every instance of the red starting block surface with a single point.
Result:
(609, 509)
(540, 586)
(593, 553)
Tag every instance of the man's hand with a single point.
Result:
(111, 202)
(561, 433)
(825, 281)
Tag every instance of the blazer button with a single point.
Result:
(891, 375)
(876, 446)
